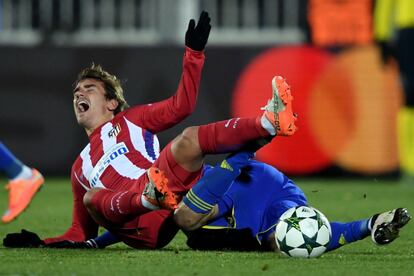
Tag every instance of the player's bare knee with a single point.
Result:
(188, 138)
(186, 149)
(87, 198)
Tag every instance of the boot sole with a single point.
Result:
(389, 231)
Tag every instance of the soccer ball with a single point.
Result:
(303, 232)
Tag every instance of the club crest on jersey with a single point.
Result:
(114, 131)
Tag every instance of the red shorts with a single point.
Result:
(155, 229)
(148, 231)
(180, 181)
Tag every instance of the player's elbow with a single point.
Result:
(187, 112)
(181, 112)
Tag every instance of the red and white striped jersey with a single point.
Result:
(118, 152)
(121, 150)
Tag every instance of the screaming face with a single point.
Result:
(90, 104)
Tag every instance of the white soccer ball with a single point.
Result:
(303, 232)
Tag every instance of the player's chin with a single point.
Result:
(81, 120)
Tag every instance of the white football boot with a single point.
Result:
(386, 226)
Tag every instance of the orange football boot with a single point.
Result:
(21, 192)
(278, 110)
(156, 191)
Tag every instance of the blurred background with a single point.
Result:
(347, 93)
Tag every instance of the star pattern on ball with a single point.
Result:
(295, 241)
(293, 222)
(318, 218)
(283, 247)
(310, 243)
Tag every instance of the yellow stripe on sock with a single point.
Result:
(198, 202)
(195, 203)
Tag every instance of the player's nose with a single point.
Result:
(78, 94)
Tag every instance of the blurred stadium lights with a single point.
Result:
(148, 22)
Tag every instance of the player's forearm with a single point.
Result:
(184, 101)
(72, 234)
(162, 115)
(165, 114)
(83, 227)
(196, 38)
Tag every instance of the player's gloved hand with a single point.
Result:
(72, 244)
(23, 239)
(196, 36)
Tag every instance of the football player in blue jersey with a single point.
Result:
(237, 204)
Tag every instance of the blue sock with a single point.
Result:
(215, 182)
(208, 190)
(104, 240)
(9, 164)
(344, 233)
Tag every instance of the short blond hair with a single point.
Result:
(112, 85)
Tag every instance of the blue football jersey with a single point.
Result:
(256, 200)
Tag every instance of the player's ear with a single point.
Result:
(112, 104)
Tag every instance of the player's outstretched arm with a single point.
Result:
(100, 242)
(165, 114)
(27, 239)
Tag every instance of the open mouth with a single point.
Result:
(82, 105)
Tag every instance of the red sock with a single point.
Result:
(118, 207)
(229, 135)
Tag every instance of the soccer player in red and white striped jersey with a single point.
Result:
(121, 176)
(122, 142)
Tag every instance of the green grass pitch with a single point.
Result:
(340, 200)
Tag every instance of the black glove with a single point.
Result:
(387, 52)
(196, 36)
(23, 239)
(72, 244)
